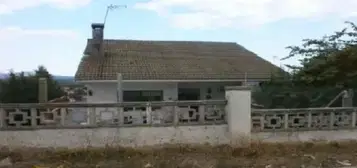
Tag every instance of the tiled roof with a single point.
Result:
(172, 60)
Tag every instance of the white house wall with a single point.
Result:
(106, 92)
(215, 87)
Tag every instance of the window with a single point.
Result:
(137, 96)
(188, 94)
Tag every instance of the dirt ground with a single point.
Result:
(288, 155)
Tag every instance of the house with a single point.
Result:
(166, 70)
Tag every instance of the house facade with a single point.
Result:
(105, 92)
(165, 70)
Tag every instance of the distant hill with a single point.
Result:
(3, 76)
(58, 78)
(64, 79)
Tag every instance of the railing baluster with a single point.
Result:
(354, 118)
(33, 117)
(148, 114)
(309, 119)
(202, 112)
(286, 120)
(332, 119)
(120, 116)
(262, 122)
(63, 113)
(176, 115)
(92, 120)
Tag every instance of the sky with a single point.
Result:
(53, 33)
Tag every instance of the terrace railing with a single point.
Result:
(268, 120)
(60, 115)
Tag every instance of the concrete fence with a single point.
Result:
(152, 123)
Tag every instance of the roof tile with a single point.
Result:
(172, 60)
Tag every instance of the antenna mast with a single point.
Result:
(110, 8)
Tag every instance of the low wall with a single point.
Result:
(214, 122)
(146, 136)
(127, 136)
(336, 135)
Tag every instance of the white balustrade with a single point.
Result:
(60, 115)
(303, 119)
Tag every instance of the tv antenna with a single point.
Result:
(110, 8)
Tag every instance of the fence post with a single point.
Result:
(42, 90)
(347, 98)
(42, 98)
(238, 111)
(2, 118)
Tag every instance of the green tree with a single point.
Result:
(21, 88)
(328, 66)
(330, 60)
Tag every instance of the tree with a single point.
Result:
(23, 88)
(330, 60)
(328, 66)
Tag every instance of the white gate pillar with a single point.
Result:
(238, 111)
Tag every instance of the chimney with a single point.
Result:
(97, 39)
